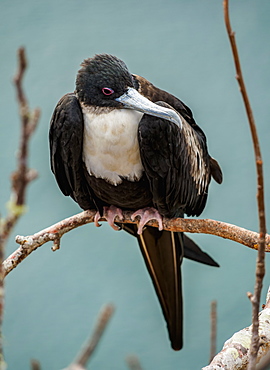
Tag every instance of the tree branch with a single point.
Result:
(91, 344)
(236, 350)
(55, 232)
(213, 335)
(23, 175)
(20, 178)
(35, 365)
(260, 265)
(133, 362)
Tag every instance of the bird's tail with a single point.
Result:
(193, 252)
(163, 252)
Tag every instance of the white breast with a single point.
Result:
(110, 145)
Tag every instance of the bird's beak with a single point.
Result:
(134, 100)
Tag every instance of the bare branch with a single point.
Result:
(28, 124)
(89, 347)
(22, 65)
(20, 178)
(236, 350)
(55, 232)
(260, 266)
(35, 365)
(23, 175)
(133, 362)
(213, 341)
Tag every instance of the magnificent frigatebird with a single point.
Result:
(120, 143)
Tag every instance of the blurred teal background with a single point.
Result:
(53, 299)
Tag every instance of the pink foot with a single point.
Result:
(109, 213)
(147, 214)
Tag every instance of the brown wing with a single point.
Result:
(155, 94)
(66, 138)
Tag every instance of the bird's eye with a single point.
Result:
(107, 91)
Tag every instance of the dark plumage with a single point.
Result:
(119, 141)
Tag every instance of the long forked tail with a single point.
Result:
(163, 252)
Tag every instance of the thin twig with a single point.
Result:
(213, 336)
(35, 365)
(56, 231)
(29, 120)
(260, 265)
(133, 362)
(20, 178)
(23, 175)
(91, 344)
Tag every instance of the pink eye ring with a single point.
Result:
(107, 91)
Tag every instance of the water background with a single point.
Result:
(52, 299)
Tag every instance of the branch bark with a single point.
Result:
(213, 336)
(19, 178)
(236, 350)
(133, 363)
(23, 175)
(35, 365)
(89, 347)
(260, 265)
(55, 232)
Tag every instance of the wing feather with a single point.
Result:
(66, 141)
(178, 179)
(155, 94)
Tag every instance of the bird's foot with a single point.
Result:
(109, 213)
(147, 214)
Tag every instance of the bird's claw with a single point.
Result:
(109, 213)
(147, 214)
(96, 219)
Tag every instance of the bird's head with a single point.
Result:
(101, 80)
(105, 81)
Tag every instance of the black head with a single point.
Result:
(101, 80)
(104, 81)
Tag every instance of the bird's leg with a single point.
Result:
(147, 214)
(109, 213)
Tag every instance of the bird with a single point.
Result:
(119, 143)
